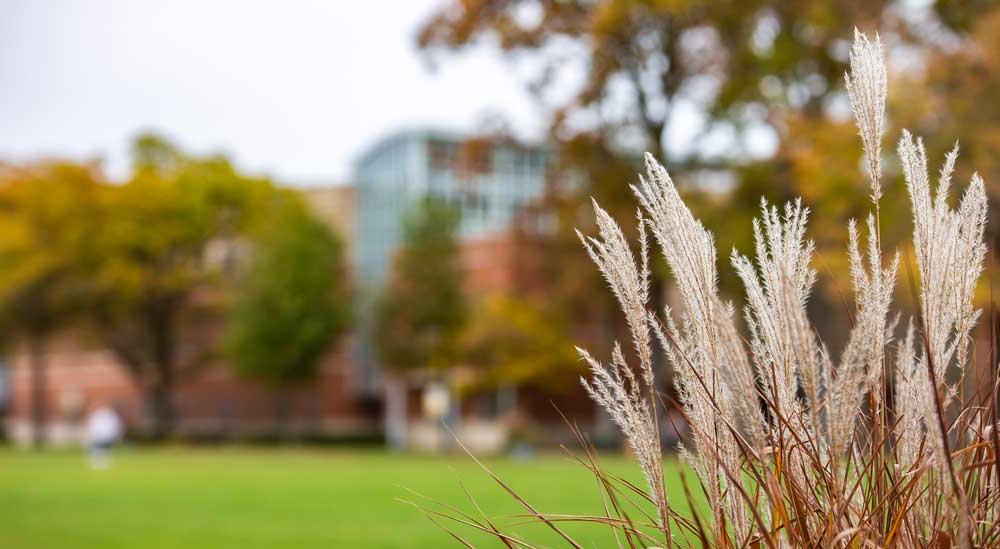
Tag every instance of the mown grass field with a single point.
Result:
(250, 497)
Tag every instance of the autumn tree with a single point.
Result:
(290, 306)
(958, 80)
(422, 309)
(641, 59)
(616, 77)
(178, 228)
(49, 216)
(725, 93)
(513, 341)
(963, 85)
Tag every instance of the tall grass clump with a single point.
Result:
(791, 445)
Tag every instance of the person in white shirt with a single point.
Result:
(104, 429)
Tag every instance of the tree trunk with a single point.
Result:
(161, 409)
(395, 412)
(161, 327)
(282, 414)
(36, 356)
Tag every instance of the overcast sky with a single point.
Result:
(294, 89)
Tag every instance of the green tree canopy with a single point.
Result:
(421, 312)
(292, 302)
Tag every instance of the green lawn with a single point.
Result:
(239, 497)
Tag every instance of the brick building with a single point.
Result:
(210, 404)
(488, 183)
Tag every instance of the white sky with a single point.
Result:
(293, 89)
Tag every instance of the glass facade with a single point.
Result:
(488, 183)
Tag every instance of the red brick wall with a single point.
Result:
(211, 402)
(487, 264)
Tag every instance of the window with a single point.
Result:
(440, 154)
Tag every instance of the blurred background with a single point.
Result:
(296, 248)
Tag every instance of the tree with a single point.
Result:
(947, 98)
(515, 342)
(963, 86)
(421, 312)
(49, 216)
(618, 76)
(422, 309)
(291, 304)
(639, 59)
(614, 77)
(178, 227)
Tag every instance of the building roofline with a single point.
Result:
(429, 132)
